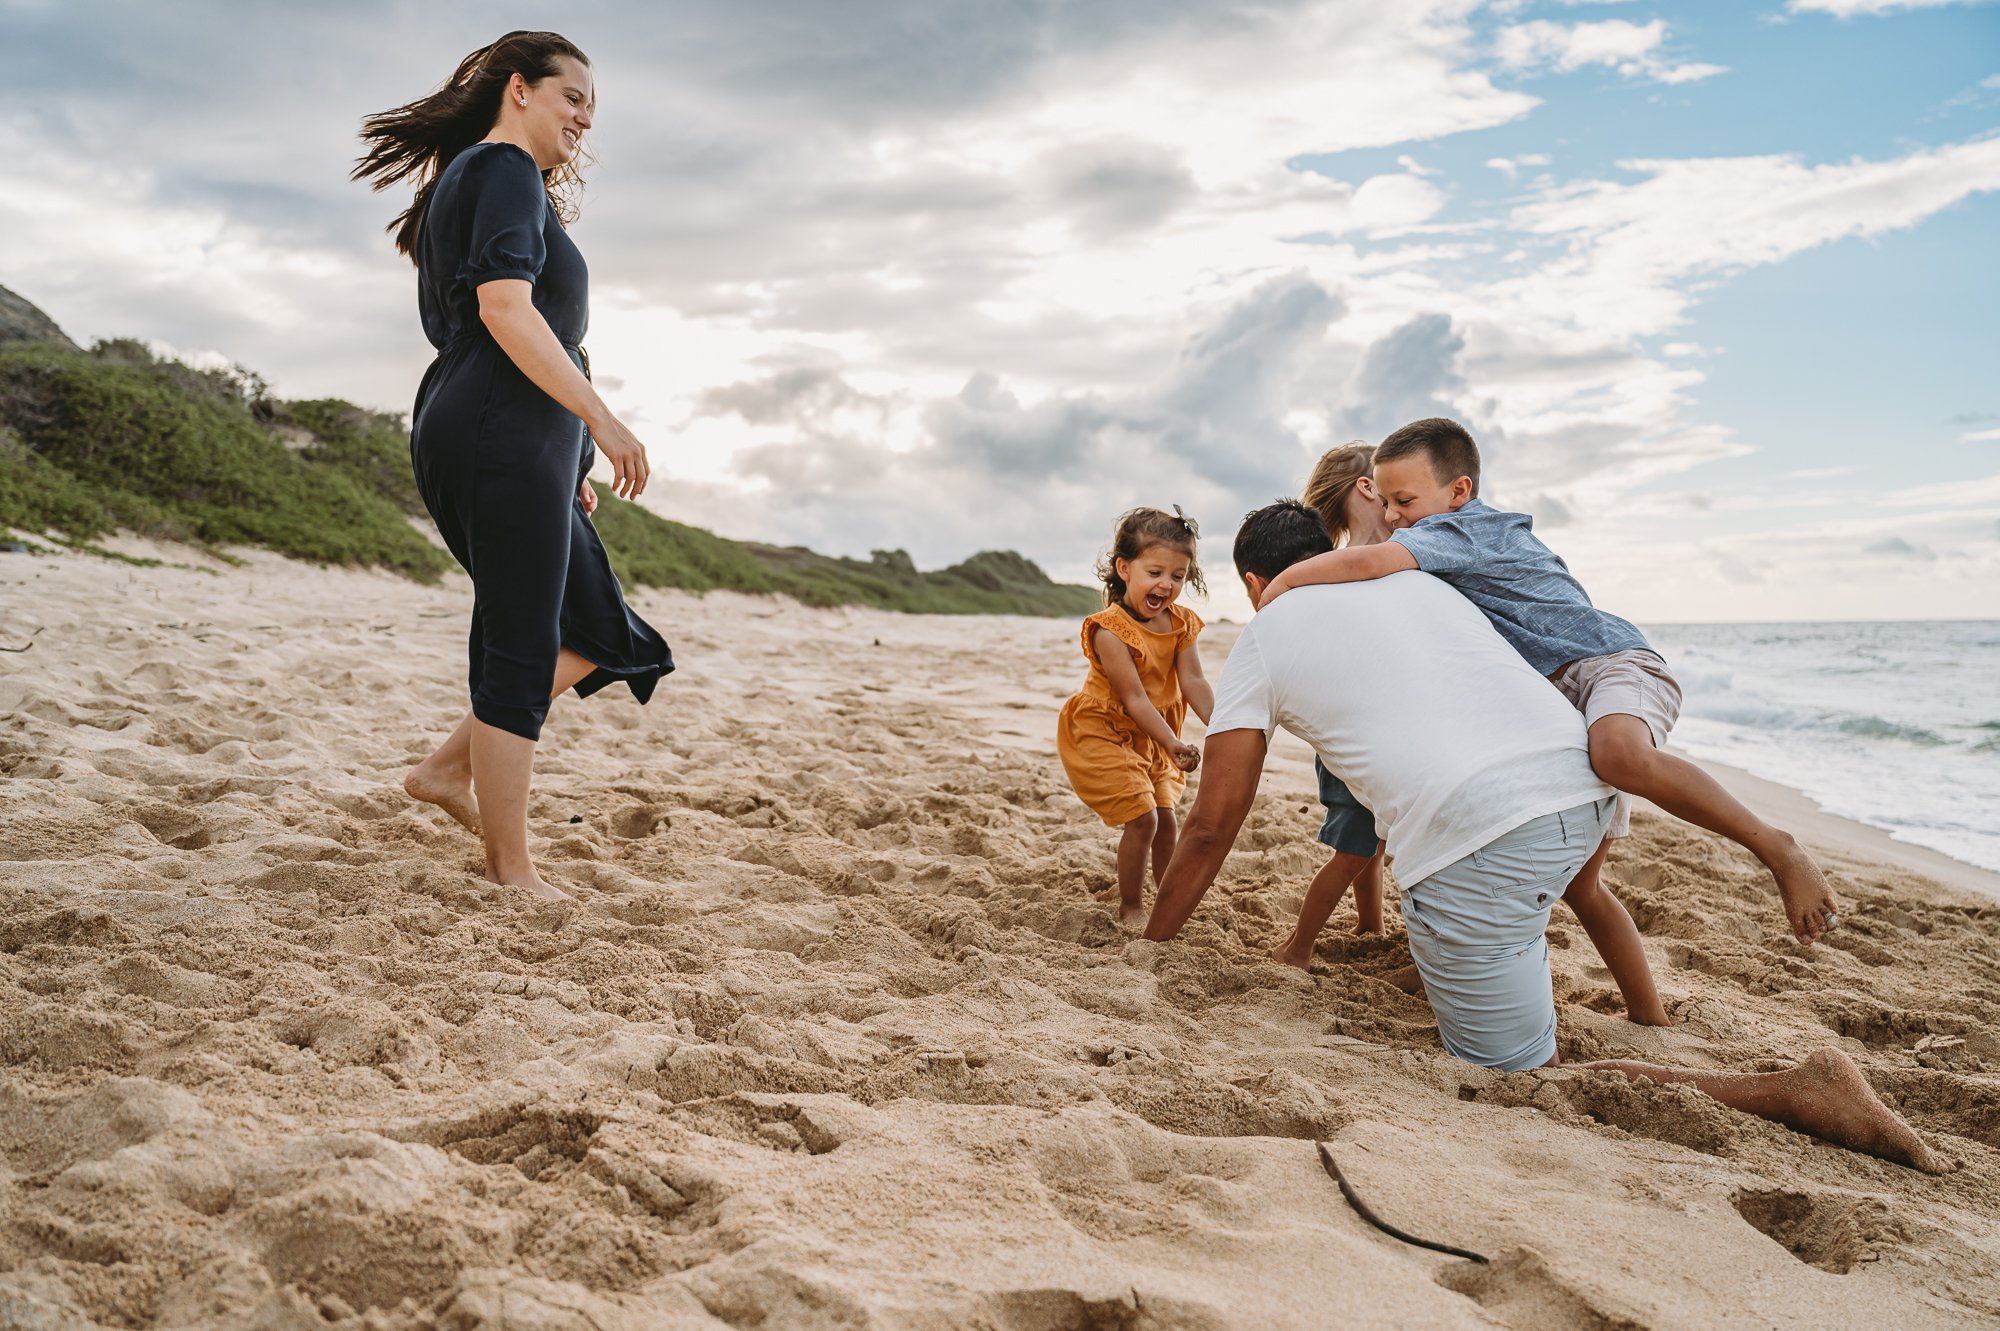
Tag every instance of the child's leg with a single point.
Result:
(1163, 843)
(1368, 895)
(1328, 886)
(1133, 845)
(1622, 751)
(1604, 917)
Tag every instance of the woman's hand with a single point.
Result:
(1273, 589)
(1186, 756)
(619, 446)
(586, 495)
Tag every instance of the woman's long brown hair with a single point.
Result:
(419, 139)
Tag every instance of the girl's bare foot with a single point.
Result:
(449, 790)
(1288, 953)
(529, 882)
(1810, 907)
(1132, 914)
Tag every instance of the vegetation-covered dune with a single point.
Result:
(116, 438)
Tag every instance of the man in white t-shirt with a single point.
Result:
(1479, 774)
(1476, 767)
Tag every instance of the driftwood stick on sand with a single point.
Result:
(1362, 1209)
(24, 646)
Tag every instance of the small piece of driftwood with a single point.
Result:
(24, 646)
(1361, 1209)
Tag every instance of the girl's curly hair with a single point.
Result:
(1144, 527)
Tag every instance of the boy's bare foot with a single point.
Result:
(1809, 903)
(1656, 1015)
(450, 791)
(1132, 915)
(1825, 1096)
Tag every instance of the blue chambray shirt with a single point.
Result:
(1496, 561)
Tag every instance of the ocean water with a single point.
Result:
(1896, 725)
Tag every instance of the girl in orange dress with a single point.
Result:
(1120, 734)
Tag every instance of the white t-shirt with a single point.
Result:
(1409, 696)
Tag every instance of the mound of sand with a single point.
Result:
(839, 1032)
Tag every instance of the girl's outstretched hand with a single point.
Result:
(1186, 757)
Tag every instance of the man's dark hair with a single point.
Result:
(1445, 444)
(1278, 536)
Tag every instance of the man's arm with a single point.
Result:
(1356, 563)
(1232, 765)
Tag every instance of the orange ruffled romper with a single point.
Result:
(1115, 767)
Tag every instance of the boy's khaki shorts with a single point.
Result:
(1631, 683)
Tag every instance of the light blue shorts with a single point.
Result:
(1477, 934)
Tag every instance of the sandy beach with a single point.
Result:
(839, 1031)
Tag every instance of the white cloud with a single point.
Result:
(1981, 437)
(1632, 246)
(1510, 166)
(1852, 8)
(1632, 49)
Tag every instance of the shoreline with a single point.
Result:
(1842, 842)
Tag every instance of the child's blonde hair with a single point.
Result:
(1142, 527)
(1332, 480)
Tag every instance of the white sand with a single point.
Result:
(840, 1033)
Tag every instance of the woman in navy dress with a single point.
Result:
(498, 437)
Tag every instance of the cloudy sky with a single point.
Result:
(1712, 283)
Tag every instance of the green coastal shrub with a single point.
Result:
(183, 454)
(115, 438)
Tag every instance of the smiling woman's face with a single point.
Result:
(557, 113)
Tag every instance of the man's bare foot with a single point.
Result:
(1825, 1096)
(1810, 907)
(1832, 1100)
(1132, 914)
(450, 791)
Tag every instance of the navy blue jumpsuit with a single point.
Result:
(499, 462)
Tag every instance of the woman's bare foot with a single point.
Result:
(449, 790)
(1810, 907)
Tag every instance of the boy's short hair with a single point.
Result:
(1444, 443)
(1278, 536)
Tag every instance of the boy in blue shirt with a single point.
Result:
(1428, 476)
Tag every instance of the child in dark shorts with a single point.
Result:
(1349, 829)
